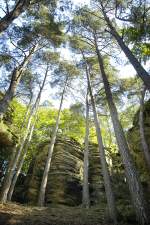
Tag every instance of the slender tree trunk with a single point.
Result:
(8, 172)
(142, 133)
(4, 103)
(135, 63)
(20, 7)
(19, 167)
(15, 79)
(132, 176)
(26, 113)
(42, 86)
(41, 199)
(9, 176)
(11, 161)
(85, 193)
(28, 139)
(105, 171)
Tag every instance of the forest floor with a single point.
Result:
(16, 214)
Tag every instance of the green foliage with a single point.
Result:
(77, 108)
(72, 125)
(128, 120)
(17, 116)
(88, 18)
(50, 57)
(65, 71)
(141, 46)
(4, 59)
(6, 139)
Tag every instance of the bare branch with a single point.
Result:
(7, 6)
(16, 46)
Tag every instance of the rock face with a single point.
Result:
(97, 191)
(66, 175)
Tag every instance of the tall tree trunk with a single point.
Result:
(10, 164)
(135, 63)
(20, 7)
(41, 199)
(19, 167)
(142, 133)
(26, 113)
(15, 79)
(9, 176)
(132, 176)
(85, 192)
(105, 171)
(28, 138)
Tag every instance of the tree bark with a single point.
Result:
(15, 79)
(85, 192)
(20, 7)
(19, 167)
(26, 113)
(145, 147)
(41, 199)
(132, 176)
(142, 73)
(105, 171)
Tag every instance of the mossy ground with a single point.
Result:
(15, 214)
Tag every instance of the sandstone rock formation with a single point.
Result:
(66, 175)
